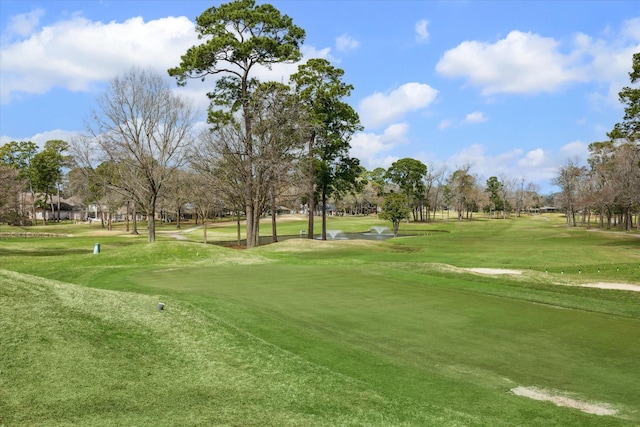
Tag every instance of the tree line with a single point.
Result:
(609, 186)
(270, 144)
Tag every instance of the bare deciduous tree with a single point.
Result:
(278, 137)
(433, 188)
(569, 180)
(142, 127)
(459, 190)
(11, 186)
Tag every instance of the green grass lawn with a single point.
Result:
(362, 333)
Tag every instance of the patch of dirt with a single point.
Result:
(291, 217)
(241, 247)
(559, 400)
(178, 236)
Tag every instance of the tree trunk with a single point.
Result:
(324, 214)
(238, 226)
(151, 221)
(127, 216)
(204, 231)
(312, 189)
(33, 205)
(256, 227)
(58, 190)
(627, 221)
(396, 226)
(53, 209)
(274, 231)
(601, 217)
(249, 213)
(134, 230)
(250, 208)
(134, 216)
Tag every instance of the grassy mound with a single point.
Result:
(80, 356)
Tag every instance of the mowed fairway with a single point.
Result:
(325, 333)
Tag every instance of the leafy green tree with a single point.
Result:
(629, 128)
(409, 174)
(46, 172)
(333, 123)
(239, 36)
(494, 189)
(378, 178)
(19, 155)
(358, 197)
(395, 208)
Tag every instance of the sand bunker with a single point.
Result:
(615, 286)
(601, 285)
(493, 271)
(589, 408)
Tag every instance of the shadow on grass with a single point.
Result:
(43, 252)
(54, 250)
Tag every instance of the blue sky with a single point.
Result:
(512, 88)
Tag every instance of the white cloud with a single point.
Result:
(483, 164)
(470, 119)
(609, 61)
(533, 159)
(368, 146)
(311, 52)
(446, 123)
(575, 150)
(422, 34)
(24, 24)
(280, 72)
(527, 63)
(475, 117)
(520, 63)
(40, 138)
(537, 166)
(382, 108)
(345, 43)
(631, 29)
(77, 53)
